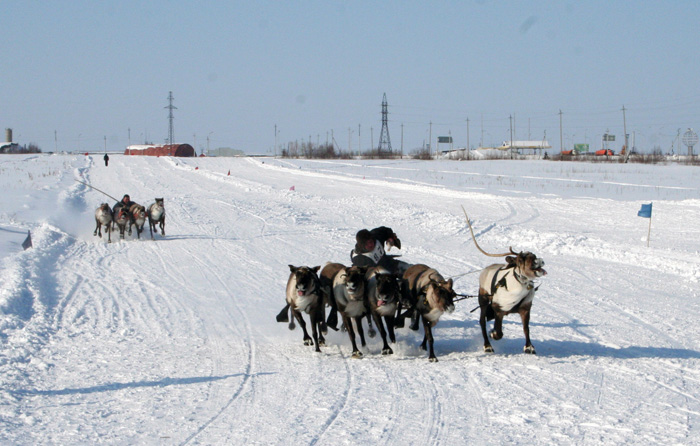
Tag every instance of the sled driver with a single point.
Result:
(124, 203)
(369, 249)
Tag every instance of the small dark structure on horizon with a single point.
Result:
(181, 150)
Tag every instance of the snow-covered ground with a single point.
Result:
(174, 341)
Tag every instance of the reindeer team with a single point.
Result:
(126, 217)
(377, 294)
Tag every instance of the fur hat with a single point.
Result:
(363, 235)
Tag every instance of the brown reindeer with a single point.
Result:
(505, 289)
(103, 217)
(304, 295)
(121, 217)
(138, 218)
(347, 290)
(383, 295)
(431, 295)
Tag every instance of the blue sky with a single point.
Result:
(75, 72)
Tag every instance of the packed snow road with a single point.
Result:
(174, 341)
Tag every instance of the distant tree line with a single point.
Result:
(16, 148)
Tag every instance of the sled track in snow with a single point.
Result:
(249, 362)
(340, 406)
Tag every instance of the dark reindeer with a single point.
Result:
(138, 218)
(103, 217)
(506, 289)
(383, 295)
(304, 295)
(156, 216)
(121, 217)
(347, 289)
(431, 295)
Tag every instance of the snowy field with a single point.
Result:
(174, 341)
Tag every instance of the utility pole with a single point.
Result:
(561, 135)
(105, 144)
(129, 132)
(401, 140)
(171, 130)
(624, 123)
(55, 140)
(430, 138)
(511, 136)
(467, 139)
(359, 139)
(275, 149)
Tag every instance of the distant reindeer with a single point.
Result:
(103, 217)
(121, 217)
(156, 215)
(138, 218)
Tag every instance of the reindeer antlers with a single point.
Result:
(477, 245)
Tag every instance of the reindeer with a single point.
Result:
(383, 294)
(304, 295)
(121, 218)
(506, 289)
(156, 215)
(103, 217)
(431, 295)
(138, 218)
(347, 291)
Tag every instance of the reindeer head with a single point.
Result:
(306, 279)
(354, 280)
(528, 264)
(440, 295)
(388, 290)
(159, 202)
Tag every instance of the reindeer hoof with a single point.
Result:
(529, 349)
(387, 351)
(308, 342)
(357, 354)
(495, 336)
(321, 342)
(433, 359)
(488, 349)
(372, 333)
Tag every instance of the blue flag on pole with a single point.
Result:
(645, 211)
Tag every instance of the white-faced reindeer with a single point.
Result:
(428, 293)
(505, 289)
(103, 217)
(138, 218)
(156, 216)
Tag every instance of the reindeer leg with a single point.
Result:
(429, 338)
(162, 226)
(360, 330)
(525, 316)
(97, 228)
(399, 321)
(109, 232)
(314, 329)
(497, 332)
(298, 316)
(347, 322)
(386, 350)
(372, 332)
(483, 304)
(390, 324)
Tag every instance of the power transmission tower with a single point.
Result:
(171, 130)
(384, 140)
